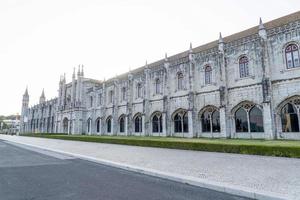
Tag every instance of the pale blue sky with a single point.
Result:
(40, 40)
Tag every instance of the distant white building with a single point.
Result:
(13, 126)
(246, 85)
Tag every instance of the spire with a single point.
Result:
(73, 76)
(221, 38)
(166, 57)
(26, 91)
(261, 25)
(262, 30)
(82, 72)
(78, 72)
(191, 48)
(221, 42)
(43, 94)
(146, 64)
(64, 78)
(42, 98)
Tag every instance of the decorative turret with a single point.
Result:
(73, 76)
(191, 48)
(262, 30)
(221, 43)
(42, 98)
(191, 52)
(73, 92)
(82, 71)
(166, 57)
(78, 72)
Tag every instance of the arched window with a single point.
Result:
(181, 122)
(139, 90)
(157, 123)
(241, 120)
(123, 94)
(65, 125)
(289, 119)
(138, 124)
(98, 125)
(292, 56)
(256, 120)
(251, 113)
(108, 125)
(122, 124)
(180, 81)
(157, 86)
(210, 120)
(89, 125)
(208, 75)
(243, 66)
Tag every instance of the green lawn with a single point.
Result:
(281, 148)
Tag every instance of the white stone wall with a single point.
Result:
(267, 87)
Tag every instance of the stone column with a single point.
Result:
(68, 127)
(223, 124)
(191, 128)
(143, 125)
(126, 125)
(112, 126)
(164, 124)
(268, 119)
(100, 126)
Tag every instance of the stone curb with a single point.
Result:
(220, 187)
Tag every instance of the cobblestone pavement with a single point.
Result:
(268, 174)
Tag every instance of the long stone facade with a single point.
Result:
(246, 85)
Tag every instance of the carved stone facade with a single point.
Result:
(246, 85)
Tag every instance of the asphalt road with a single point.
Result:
(32, 174)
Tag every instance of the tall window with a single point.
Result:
(289, 119)
(139, 90)
(138, 124)
(122, 124)
(98, 125)
(181, 124)
(243, 66)
(180, 81)
(111, 96)
(108, 125)
(208, 75)
(123, 93)
(89, 122)
(292, 56)
(157, 123)
(157, 86)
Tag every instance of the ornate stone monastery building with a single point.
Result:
(246, 85)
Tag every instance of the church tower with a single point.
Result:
(25, 104)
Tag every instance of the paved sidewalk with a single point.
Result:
(259, 174)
